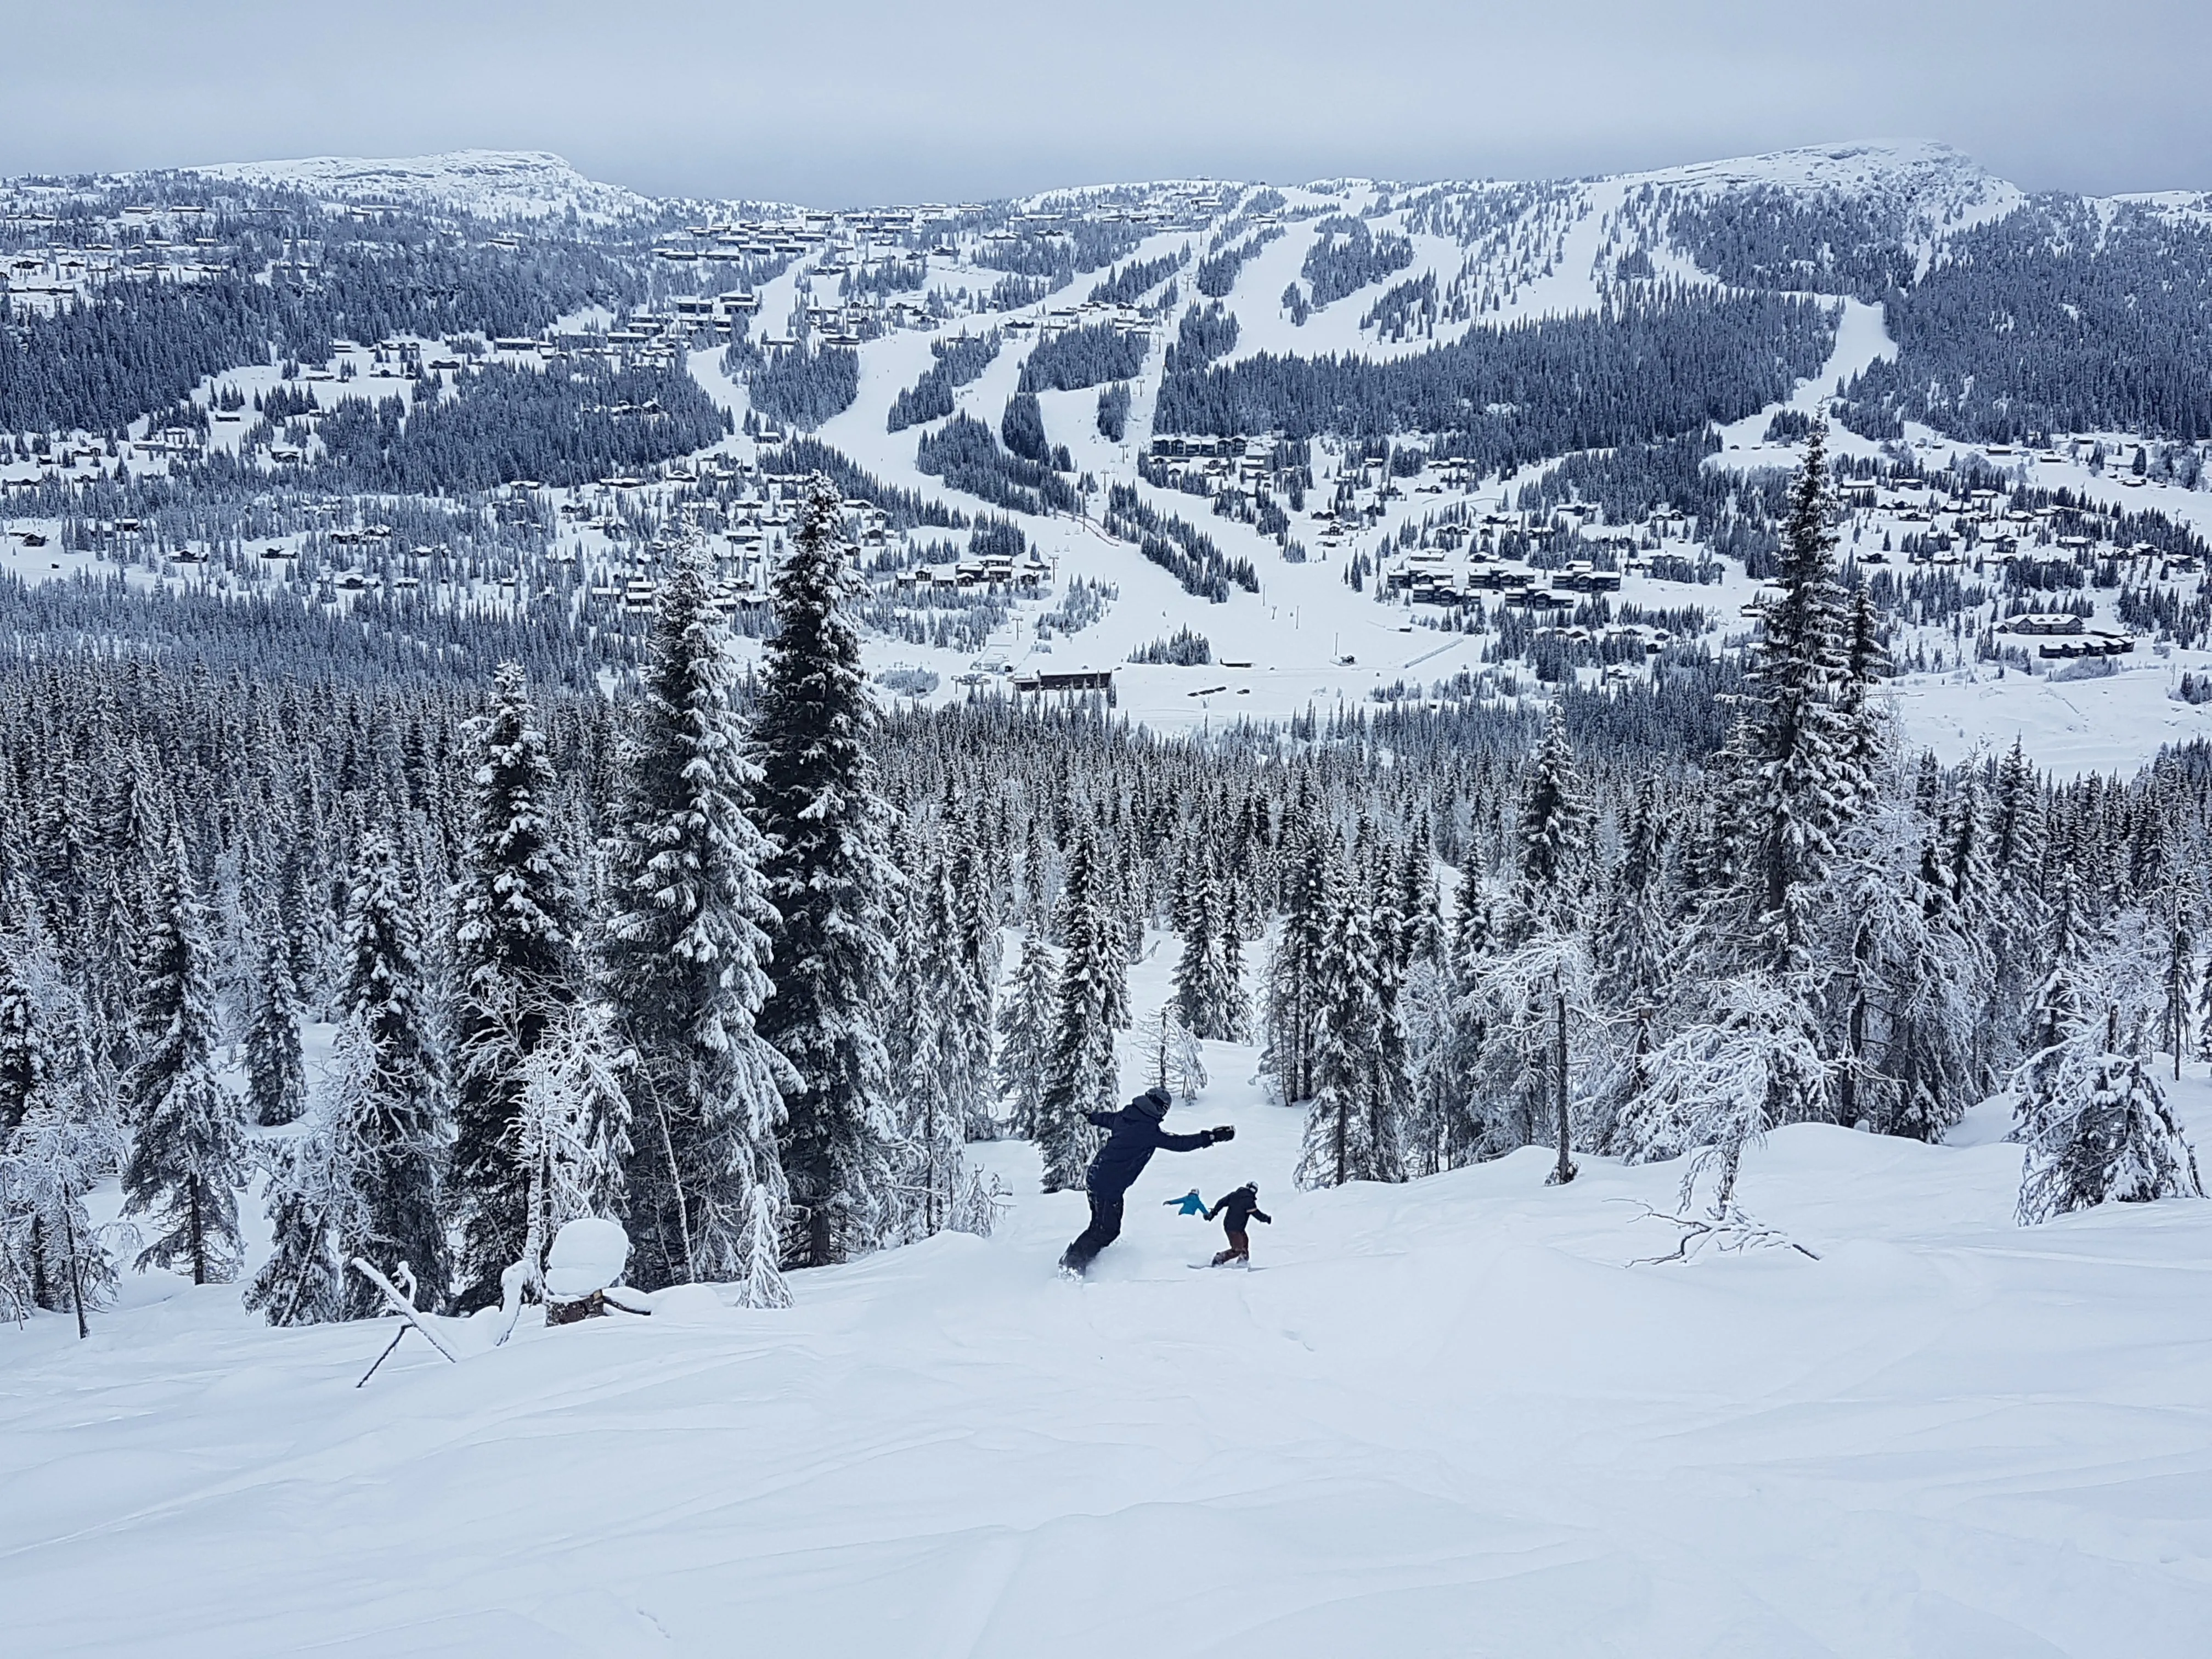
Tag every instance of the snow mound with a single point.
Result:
(589, 1253)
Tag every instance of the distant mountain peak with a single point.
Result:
(486, 183)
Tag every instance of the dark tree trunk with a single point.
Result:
(1564, 1170)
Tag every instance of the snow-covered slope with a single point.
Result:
(486, 183)
(1450, 1417)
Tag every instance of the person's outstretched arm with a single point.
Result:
(1189, 1143)
(1261, 1215)
(1104, 1120)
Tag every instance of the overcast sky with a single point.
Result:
(844, 101)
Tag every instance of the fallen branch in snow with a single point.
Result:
(405, 1308)
(1726, 1229)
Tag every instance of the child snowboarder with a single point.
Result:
(1189, 1204)
(1236, 1209)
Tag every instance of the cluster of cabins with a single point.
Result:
(1426, 578)
(1000, 573)
(2062, 634)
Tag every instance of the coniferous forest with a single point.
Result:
(723, 957)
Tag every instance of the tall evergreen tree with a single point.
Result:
(1082, 1075)
(1209, 998)
(399, 1121)
(684, 967)
(1026, 1022)
(1794, 777)
(187, 1154)
(276, 1069)
(1353, 1129)
(515, 960)
(833, 887)
(1295, 992)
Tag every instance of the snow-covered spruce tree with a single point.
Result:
(1353, 1131)
(833, 888)
(276, 1071)
(1525, 983)
(2089, 1112)
(1635, 935)
(930, 1053)
(1791, 780)
(1081, 1075)
(1296, 993)
(2175, 906)
(2016, 867)
(1235, 1007)
(1421, 934)
(187, 1154)
(682, 962)
(1208, 998)
(975, 911)
(26, 1057)
(399, 1121)
(1026, 1022)
(516, 924)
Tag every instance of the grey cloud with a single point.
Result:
(844, 101)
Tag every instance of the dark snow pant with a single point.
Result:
(1105, 1227)
(1240, 1246)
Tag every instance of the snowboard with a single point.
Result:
(1244, 1265)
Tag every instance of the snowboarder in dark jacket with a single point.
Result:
(1135, 1135)
(1238, 1208)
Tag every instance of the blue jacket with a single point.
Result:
(1136, 1135)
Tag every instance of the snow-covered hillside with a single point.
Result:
(1365, 584)
(485, 184)
(1450, 1417)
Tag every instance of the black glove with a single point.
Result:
(1226, 1132)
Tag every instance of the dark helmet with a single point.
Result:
(1154, 1102)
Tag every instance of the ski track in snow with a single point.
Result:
(1448, 1417)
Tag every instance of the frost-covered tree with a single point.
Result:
(2095, 1127)
(1550, 839)
(317, 1218)
(1791, 778)
(1909, 979)
(1529, 995)
(1082, 1075)
(516, 924)
(59, 1137)
(1026, 1022)
(1750, 1060)
(571, 1137)
(187, 1152)
(276, 1069)
(1296, 991)
(1171, 1054)
(682, 961)
(833, 888)
(51, 1253)
(1209, 999)
(1353, 1129)
(975, 988)
(397, 1119)
(936, 1007)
